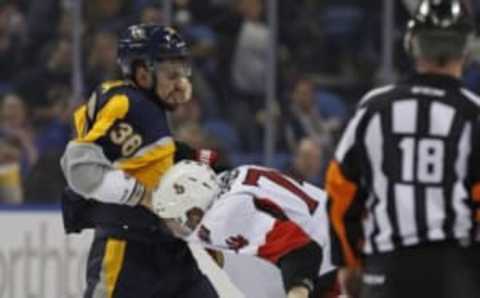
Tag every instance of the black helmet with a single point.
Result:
(150, 44)
(440, 29)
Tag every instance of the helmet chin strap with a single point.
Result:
(153, 77)
(153, 86)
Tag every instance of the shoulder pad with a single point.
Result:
(374, 93)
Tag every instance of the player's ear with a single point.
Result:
(141, 75)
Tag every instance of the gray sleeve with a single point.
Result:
(84, 166)
(89, 173)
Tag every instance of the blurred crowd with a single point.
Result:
(329, 53)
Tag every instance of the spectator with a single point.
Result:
(307, 162)
(42, 17)
(12, 41)
(216, 128)
(10, 177)
(411, 5)
(190, 112)
(45, 182)
(194, 135)
(65, 26)
(194, 11)
(14, 126)
(205, 78)
(152, 14)
(52, 122)
(250, 58)
(183, 15)
(109, 15)
(102, 61)
(247, 72)
(54, 73)
(471, 75)
(304, 119)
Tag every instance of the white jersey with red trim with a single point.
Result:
(263, 213)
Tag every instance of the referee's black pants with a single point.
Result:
(436, 270)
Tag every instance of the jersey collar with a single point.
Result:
(443, 81)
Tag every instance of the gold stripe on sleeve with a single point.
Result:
(116, 108)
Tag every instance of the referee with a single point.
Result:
(406, 175)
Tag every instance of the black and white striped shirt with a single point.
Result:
(407, 168)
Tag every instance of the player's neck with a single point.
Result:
(453, 68)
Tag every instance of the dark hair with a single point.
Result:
(439, 47)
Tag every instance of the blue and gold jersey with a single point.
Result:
(130, 127)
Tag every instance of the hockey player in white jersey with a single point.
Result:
(255, 211)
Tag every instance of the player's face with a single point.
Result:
(194, 217)
(173, 86)
(183, 230)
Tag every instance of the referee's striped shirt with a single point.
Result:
(406, 170)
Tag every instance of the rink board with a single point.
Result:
(37, 260)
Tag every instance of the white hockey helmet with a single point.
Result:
(187, 186)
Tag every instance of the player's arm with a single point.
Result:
(343, 186)
(299, 268)
(89, 173)
(85, 166)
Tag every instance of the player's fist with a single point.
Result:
(207, 156)
(298, 292)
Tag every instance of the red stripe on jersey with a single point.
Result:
(269, 207)
(284, 237)
(253, 175)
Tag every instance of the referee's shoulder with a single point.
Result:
(377, 95)
(470, 96)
